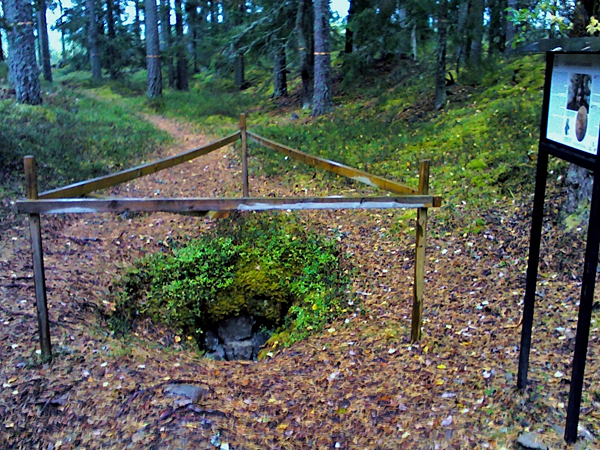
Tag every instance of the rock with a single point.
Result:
(194, 393)
(211, 341)
(218, 354)
(258, 340)
(238, 350)
(235, 329)
(532, 440)
(294, 116)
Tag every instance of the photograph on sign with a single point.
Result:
(574, 106)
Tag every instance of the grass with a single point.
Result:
(73, 137)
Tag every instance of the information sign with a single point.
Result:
(574, 104)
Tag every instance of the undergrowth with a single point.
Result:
(73, 137)
(268, 266)
(482, 145)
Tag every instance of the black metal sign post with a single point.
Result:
(570, 130)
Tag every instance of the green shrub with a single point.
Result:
(266, 266)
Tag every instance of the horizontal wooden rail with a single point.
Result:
(184, 205)
(85, 187)
(335, 167)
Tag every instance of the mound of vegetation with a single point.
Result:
(270, 267)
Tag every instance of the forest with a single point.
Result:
(290, 329)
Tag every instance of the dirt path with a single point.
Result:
(358, 385)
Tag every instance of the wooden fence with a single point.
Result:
(63, 201)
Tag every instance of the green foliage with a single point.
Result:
(73, 138)
(261, 265)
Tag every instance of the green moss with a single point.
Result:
(256, 265)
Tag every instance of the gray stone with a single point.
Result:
(235, 329)
(194, 393)
(258, 340)
(238, 350)
(218, 354)
(532, 440)
(211, 340)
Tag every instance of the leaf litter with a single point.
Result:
(360, 383)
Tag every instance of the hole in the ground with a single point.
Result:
(251, 279)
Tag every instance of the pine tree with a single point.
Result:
(322, 97)
(279, 72)
(154, 77)
(93, 40)
(181, 81)
(43, 39)
(23, 68)
(440, 71)
(306, 69)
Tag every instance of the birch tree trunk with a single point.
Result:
(22, 64)
(322, 97)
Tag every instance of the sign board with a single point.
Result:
(574, 103)
(569, 130)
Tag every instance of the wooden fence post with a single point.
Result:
(418, 286)
(244, 154)
(31, 188)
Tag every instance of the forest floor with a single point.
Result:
(358, 384)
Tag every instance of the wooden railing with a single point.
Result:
(63, 201)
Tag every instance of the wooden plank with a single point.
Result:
(179, 205)
(244, 135)
(335, 167)
(39, 277)
(85, 187)
(419, 282)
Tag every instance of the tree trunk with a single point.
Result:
(181, 83)
(166, 40)
(476, 26)
(349, 33)
(93, 40)
(2, 57)
(463, 42)
(44, 44)
(579, 181)
(510, 29)
(497, 26)
(22, 65)
(413, 42)
(305, 72)
(440, 72)
(137, 22)
(63, 45)
(239, 71)
(111, 42)
(279, 73)
(193, 22)
(322, 97)
(153, 51)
